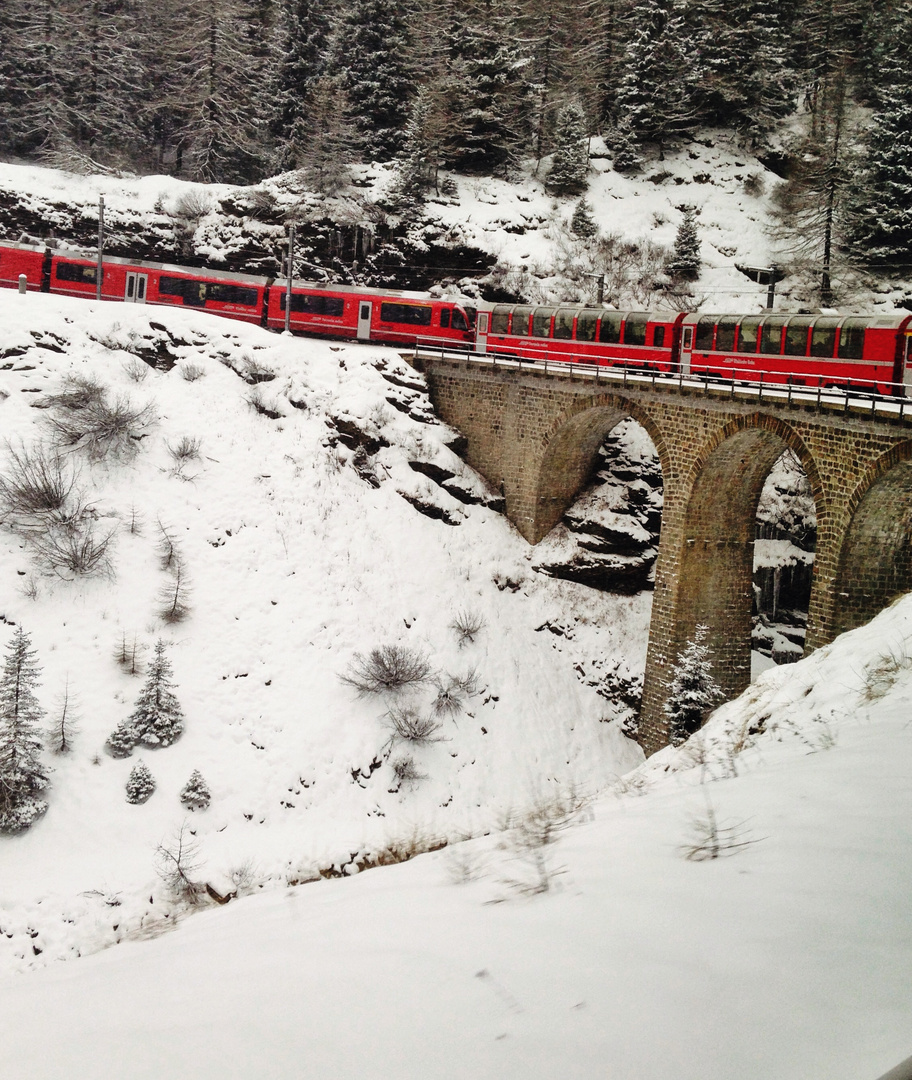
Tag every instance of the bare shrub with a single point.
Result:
(258, 401)
(177, 862)
(190, 372)
(410, 726)
(387, 669)
(135, 524)
(63, 727)
(77, 392)
(127, 654)
(74, 552)
(467, 626)
(452, 691)
(193, 205)
(713, 840)
(406, 771)
(168, 551)
(464, 864)
(37, 481)
(103, 428)
(884, 671)
(187, 448)
(136, 370)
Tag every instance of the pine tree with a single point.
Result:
(195, 793)
(372, 58)
(140, 784)
(692, 690)
(571, 153)
(685, 264)
(882, 194)
(22, 774)
(157, 719)
(582, 224)
(656, 96)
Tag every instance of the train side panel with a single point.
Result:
(16, 260)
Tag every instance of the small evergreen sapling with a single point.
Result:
(582, 224)
(22, 775)
(692, 690)
(140, 783)
(571, 154)
(195, 793)
(685, 265)
(157, 719)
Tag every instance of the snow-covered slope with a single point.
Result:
(788, 956)
(302, 528)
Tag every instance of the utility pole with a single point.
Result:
(600, 278)
(290, 269)
(771, 287)
(99, 271)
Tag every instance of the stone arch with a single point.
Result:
(875, 561)
(570, 449)
(718, 506)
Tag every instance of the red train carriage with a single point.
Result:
(16, 259)
(234, 296)
(367, 315)
(810, 350)
(581, 335)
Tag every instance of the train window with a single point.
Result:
(171, 286)
(796, 336)
(725, 333)
(823, 336)
(314, 304)
(85, 275)
(851, 339)
(635, 328)
(541, 321)
(231, 294)
(586, 323)
(771, 335)
(520, 323)
(747, 334)
(413, 314)
(445, 317)
(610, 327)
(563, 323)
(658, 336)
(459, 320)
(500, 319)
(703, 339)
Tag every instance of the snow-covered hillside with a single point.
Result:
(294, 481)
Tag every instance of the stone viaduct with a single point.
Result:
(535, 436)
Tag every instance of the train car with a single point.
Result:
(234, 296)
(581, 335)
(870, 353)
(359, 314)
(17, 259)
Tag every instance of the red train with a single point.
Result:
(868, 353)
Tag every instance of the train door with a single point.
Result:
(482, 321)
(365, 308)
(687, 342)
(135, 289)
(907, 363)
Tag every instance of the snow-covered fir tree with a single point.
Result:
(582, 224)
(140, 783)
(22, 775)
(882, 193)
(685, 264)
(195, 793)
(300, 42)
(157, 719)
(692, 690)
(571, 153)
(372, 59)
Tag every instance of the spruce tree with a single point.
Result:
(372, 59)
(157, 719)
(692, 690)
(582, 224)
(22, 774)
(140, 784)
(571, 153)
(195, 793)
(685, 264)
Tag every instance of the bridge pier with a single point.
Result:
(535, 436)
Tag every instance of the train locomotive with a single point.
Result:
(862, 353)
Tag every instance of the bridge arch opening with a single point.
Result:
(716, 560)
(875, 565)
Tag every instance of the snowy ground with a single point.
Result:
(604, 953)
